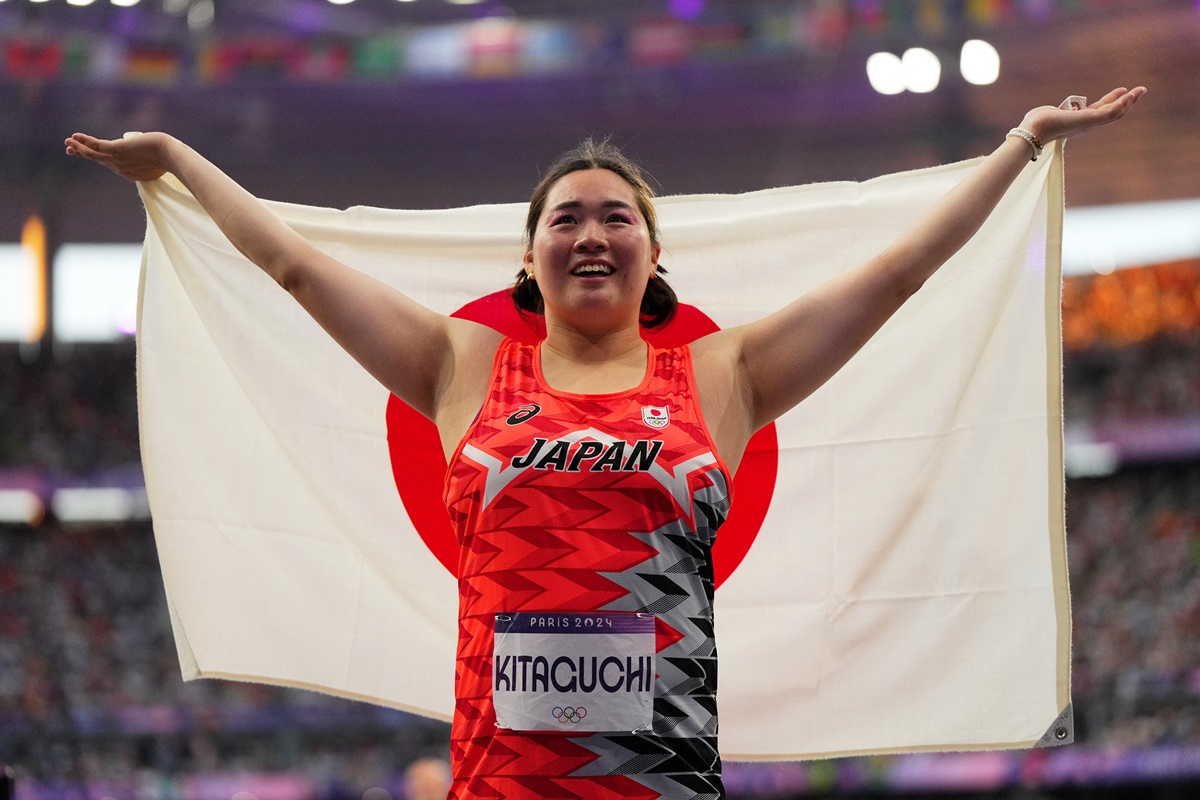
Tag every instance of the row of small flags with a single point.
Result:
(501, 47)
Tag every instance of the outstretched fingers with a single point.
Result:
(80, 144)
(1111, 97)
(137, 158)
(1118, 101)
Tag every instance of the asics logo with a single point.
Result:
(525, 412)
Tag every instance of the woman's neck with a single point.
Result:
(585, 347)
(576, 362)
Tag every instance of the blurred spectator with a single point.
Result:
(1134, 547)
(1155, 378)
(75, 414)
(427, 779)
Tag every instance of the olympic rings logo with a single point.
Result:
(569, 714)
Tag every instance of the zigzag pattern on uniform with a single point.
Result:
(629, 536)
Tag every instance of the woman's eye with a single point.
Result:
(620, 218)
(565, 218)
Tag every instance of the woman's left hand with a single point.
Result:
(1049, 122)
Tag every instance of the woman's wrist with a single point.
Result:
(167, 147)
(1030, 138)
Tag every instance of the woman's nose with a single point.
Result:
(591, 236)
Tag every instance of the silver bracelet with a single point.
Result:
(1030, 137)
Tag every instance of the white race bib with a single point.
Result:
(574, 672)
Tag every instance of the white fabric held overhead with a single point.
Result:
(906, 590)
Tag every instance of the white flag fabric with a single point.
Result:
(893, 576)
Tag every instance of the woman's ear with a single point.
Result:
(528, 259)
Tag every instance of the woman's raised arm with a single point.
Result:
(434, 363)
(781, 359)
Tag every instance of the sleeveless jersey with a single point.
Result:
(589, 503)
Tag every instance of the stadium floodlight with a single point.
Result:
(99, 504)
(95, 291)
(922, 70)
(20, 506)
(22, 316)
(200, 15)
(979, 62)
(885, 73)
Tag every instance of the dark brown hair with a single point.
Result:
(659, 301)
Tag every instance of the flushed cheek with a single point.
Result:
(548, 250)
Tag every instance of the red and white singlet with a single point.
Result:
(580, 510)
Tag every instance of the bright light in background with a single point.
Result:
(918, 71)
(124, 3)
(99, 504)
(922, 70)
(20, 300)
(979, 62)
(341, 2)
(95, 291)
(20, 505)
(33, 242)
(200, 14)
(885, 73)
(1106, 238)
(80, 2)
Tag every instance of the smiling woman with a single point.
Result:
(591, 254)
(589, 471)
(659, 301)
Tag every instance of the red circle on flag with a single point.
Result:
(419, 465)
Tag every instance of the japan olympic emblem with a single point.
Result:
(569, 714)
(656, 416)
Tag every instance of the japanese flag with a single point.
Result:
(893, 574)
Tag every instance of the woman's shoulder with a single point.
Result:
(716, 350)
(474, 335)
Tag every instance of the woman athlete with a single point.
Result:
(588, 473)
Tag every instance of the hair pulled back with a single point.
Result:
(659, 301)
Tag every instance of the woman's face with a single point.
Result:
(591, 252)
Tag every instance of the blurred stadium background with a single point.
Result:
(431, 103)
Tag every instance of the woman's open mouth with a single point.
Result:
(590, 270)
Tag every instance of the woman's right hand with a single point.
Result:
(136, 157)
